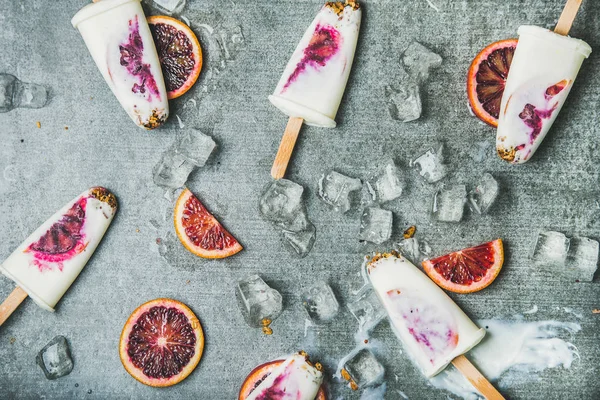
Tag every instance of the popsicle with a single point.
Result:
(543, 70)
(45, 265)
(294, 379)
(434, 331)
(118, 37)
(313, 82)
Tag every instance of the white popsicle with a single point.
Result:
(431, 327)
(50, 259)
(542, 72)
(294, 379)
(313, 82)
(118, 37)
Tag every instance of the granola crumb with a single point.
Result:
(410, 232)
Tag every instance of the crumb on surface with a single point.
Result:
(38, 124)
(410, 232)
(267, 331)
(345, 374)
(596, 311)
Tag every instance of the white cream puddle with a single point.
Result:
(514, 351)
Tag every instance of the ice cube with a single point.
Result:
(168, 247)
(364, 369)
(367, 309)
(582, 259)
(375, 225)
(195, 147)
(415, 250)
(55, 358)
(7, 90)
(479, 152)
(410, 249)
(404, 100)
(424, 248)
(388, 185)
(172, 171)
(431, 164)
(419, 60)
(14, 93)
(302, 241)
(169, 7)
(484, 195)
(320, 303)
(335, 189)
(282, 204)
(259, 303)
(550, 250)
(449, 203)
(30, 95)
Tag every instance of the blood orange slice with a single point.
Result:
(468, 270)
(161, 343)
(487, 77)
(200, 232)
(259, 374)
(179, 53)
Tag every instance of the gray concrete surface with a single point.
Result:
(44, 168)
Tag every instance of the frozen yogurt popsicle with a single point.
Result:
(313, 82)
(294, 379)
(432, 328)
(543, 69)
(49, 260)
(118, 37)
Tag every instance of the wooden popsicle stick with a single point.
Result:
(286, 147)
(474, 376)
(11, 303)
(567, 17)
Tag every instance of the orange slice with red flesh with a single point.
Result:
(468, 270)
(179, 53)
(161, 343)
(487, 77)
(200, 232)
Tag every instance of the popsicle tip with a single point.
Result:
(338, 6)
(317, 365)
(380, 256)
(156, 119)
(509, 155)
(105, 196)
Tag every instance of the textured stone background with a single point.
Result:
(44, 168)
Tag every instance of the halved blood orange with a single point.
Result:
(200, 232)
(259, 374)
(468, 270)
(487, 77)
(179, 53)
(161, 343)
